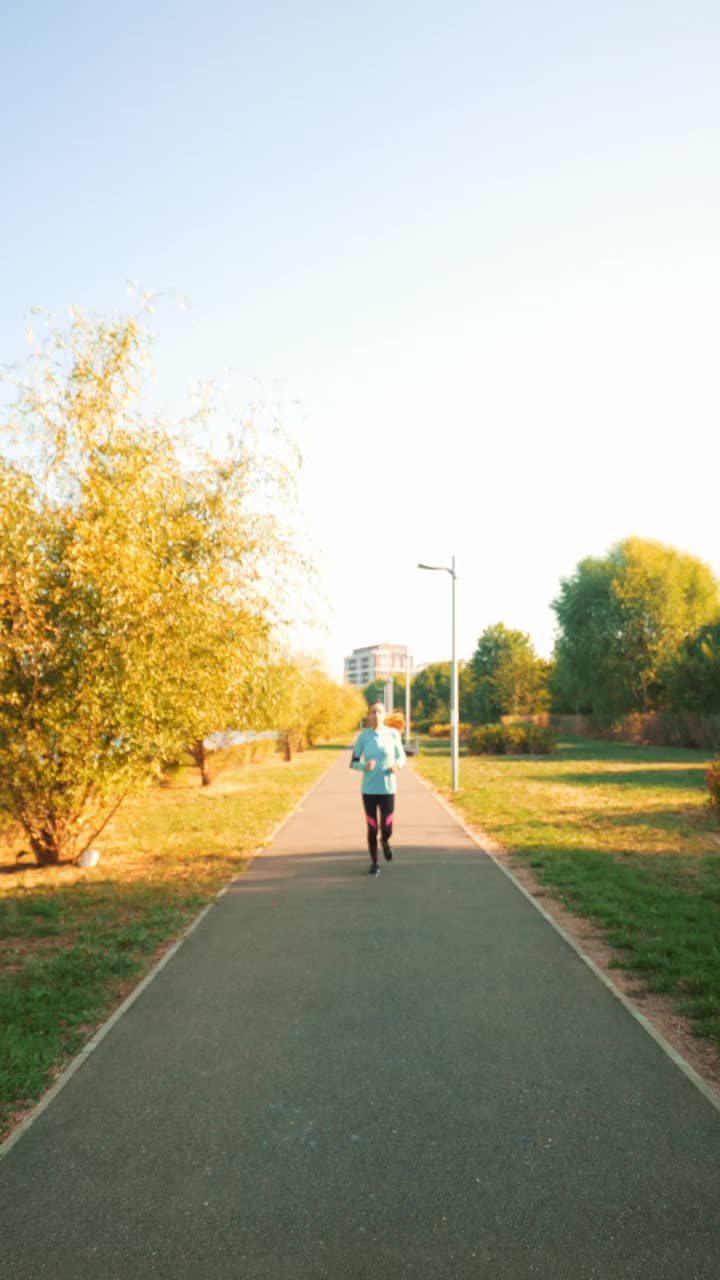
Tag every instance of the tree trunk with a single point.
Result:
(45, 847)
(199, 755)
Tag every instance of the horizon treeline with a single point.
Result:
(638, 631)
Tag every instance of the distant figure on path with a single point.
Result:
(379, 753)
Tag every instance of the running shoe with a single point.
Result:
(387, 851)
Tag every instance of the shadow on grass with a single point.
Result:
(684, 820)
(582, 749)
(628, 752)
(669, 819)
(440, 747)
(23, 866)
(673, 779)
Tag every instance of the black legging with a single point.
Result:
(386, 805)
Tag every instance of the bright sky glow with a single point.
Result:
(478, 243)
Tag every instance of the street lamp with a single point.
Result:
(454, 712)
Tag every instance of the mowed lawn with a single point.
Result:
(73, 943)
(622, 835)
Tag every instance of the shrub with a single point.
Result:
(541, 740)
(516, 739)
(713, 780)
(512, 739)
(443, 731)
(489, 739)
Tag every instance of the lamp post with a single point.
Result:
(454, 704)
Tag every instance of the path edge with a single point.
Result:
(671, 1052)
(82, 1056)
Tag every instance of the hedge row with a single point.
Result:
(512, 740)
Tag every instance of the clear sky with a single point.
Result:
(477, 242)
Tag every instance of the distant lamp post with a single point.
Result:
(454, 712)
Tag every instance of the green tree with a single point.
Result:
(132, 606)
(589, 672)
(374, 691)
(399, 692)
(508, 676)
(622, 621)
(692, 680)
(430, 694)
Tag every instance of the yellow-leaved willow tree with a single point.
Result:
(134, 563)
(305, 705)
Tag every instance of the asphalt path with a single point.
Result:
(357, 1078)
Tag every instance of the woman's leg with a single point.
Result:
(387, 811)
(370, 804)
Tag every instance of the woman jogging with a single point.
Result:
(379, 753)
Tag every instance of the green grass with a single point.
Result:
(624, 836)
(73, 943)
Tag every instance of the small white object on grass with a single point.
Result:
(89, 858)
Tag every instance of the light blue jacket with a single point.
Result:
(384, 746)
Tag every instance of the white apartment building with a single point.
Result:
(377, 662)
